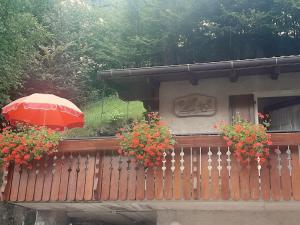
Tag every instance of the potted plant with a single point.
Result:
(248, 140)
(265, 120)
(22, 144)
(146, 140)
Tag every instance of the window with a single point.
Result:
(284, 112)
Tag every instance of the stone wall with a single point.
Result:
(221, 89)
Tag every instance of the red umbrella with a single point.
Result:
(44, 110)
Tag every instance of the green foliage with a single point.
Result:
(20, 33)
(105, 117)
(175, 32)
(57, 46)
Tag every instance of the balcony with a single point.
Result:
(200, 168)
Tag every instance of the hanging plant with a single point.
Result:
(265, 119)
(248, 140)
(146, 140)
(23, 144)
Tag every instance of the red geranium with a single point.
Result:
(23, 144)
(146, 140)
(248, 140)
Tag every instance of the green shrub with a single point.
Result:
(104, 117)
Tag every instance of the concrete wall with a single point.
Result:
(51, 218)
(228, 218)
(221, 88)
(16, 215)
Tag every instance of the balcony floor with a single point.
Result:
(145, 212)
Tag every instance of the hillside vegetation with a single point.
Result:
(104, 117)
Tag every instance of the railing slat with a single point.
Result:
(254, 181)
(73, 177)
(23, 185)
(5, 188)
(89, 180)
(215, 190)
(57, 164)
(98, 176)
(132, 180)
(285, 174)
(123, 187)
(15, 183)
(274, 175)
(168, 192)
(177, 177)
(195, 170)
(265, 181)
(81, 177)
(244, 183)
(65, 172)
(105, 178)
(225, 192)
(295, 173)
(48, 179)
(39, 183)
(31, 183)
(158, 173)
(140, 182)
(186, 187)
(204, 175)
(235, 179)
(114, 179)
(150, 188)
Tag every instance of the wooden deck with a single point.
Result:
(201, 168)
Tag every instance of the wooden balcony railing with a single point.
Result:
(200, 168)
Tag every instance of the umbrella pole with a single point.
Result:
(44, 122)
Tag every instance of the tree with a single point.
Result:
(20, 33)
(58, 46)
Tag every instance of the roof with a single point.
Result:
(143, 83)
(210, 69)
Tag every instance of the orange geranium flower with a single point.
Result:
(23, 144)
(146, 140)
(248, 140)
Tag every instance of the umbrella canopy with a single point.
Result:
(44, 110)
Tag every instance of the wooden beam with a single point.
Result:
(194, 79)
(233, 77)
(275, 73)
(112, 143)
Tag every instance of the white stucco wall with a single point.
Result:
(221, 88)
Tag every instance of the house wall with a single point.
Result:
(221, 89)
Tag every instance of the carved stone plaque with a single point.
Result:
(195, 105)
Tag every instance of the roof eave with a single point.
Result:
(222, 68)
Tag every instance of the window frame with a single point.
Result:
(275, 93)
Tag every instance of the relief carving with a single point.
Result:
(195, 105)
